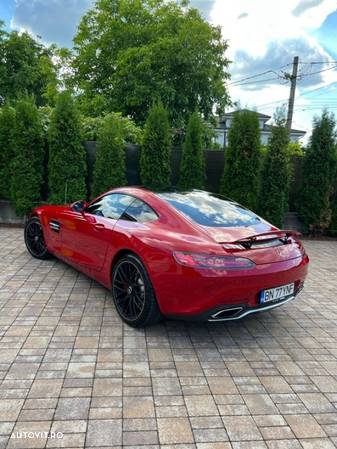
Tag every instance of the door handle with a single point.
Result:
(99, 226)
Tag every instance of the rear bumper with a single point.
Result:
(183, 293)
(234, 313)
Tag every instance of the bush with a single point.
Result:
(155, 158)
(91, 127)
(315, 199)
(295, 149)
(45, 115)
(7, 124)
(67, 158)
(242, 159)
(275, 177)
(109, 169)
(27, 158)
(192, 167)
(333, 224)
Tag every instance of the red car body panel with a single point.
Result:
(92, 243)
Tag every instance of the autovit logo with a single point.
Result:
(38, 435)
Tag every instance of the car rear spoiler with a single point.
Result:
(270, 235)
(262, 237)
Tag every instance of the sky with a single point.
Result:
(263, 38)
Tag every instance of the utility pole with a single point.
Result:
(293, 79)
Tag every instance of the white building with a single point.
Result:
(224, 125)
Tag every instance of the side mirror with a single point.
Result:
(78, 206)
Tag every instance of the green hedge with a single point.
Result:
(109, 170)
(27, 158)
(7, 127)
(192, 167)
(67, 159)
(155, 159)
(242, 159)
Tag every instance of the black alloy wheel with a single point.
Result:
(34, 239)
(133, 293)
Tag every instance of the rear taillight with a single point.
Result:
(212, 262)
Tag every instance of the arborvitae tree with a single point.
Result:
(242, 162)
(109, 170)
(7, 125)
(155, 159)
(192, 167)
(333, 224)
(275, 176)
(67, 158)
(315, 199)
(27, 157)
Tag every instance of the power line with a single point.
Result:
(293, 78)
(250, 77)
(300, 77)
(319, 62)
(283, 100)
(314, 90)
(242, 81)
(258, 75)
(258, 81)
(316, 108)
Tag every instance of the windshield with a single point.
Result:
(209, 209)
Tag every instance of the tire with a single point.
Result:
(34, 239)
(133, 293)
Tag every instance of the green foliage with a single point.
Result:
(130, 53)
(91, 127)
(7, 125)
(295, 149)
(45, 113)
(192, 167)
(27, 157)
(67, 157)
(242, 159)
(275, 177)
(155, 158)
(109, 170)
(319, 171)
(333, 224)
(26, 68)
(209, 135)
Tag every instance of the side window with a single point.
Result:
(140, 212)
(110, 206)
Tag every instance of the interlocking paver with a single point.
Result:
(104, 433)
(68, 364)
(305, 426)
(241, 428)
(174, 431)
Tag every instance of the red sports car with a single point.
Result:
(191, 255)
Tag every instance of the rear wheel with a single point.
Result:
(133, 293)
(34, 239)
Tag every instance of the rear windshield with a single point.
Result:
(209, 209)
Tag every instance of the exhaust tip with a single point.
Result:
(226, 313)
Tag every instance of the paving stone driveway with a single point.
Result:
(69, 367)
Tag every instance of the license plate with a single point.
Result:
(277, 293)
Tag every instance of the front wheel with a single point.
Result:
(34, 239)
(133, 293)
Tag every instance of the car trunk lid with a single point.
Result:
(261, 243)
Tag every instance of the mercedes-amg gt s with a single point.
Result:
(190, 255)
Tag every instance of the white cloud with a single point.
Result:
(53, 20)
(263, 35)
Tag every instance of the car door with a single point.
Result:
(87, 235)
